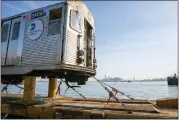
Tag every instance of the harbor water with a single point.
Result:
(92, 89)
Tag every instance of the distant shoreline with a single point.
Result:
(137, 81)
(123, 81)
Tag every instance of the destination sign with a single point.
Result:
(37, 14)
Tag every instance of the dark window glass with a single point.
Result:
(55, 14)
(55, 21)
(16, 28)
(54, 27)
(4, 33)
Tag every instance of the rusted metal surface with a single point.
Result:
(66, 107)
(134, 108)
(168, 103)
(137, 101)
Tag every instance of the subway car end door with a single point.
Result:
(12, 57)
(5, 33)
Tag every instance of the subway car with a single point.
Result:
(55, 41)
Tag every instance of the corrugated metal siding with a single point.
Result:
(71, 48)
(44, 50)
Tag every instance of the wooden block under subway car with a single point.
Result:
(54, 41)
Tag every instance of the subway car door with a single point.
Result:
(89, 44)
(5, 32)
(76, 24)
(12, 51)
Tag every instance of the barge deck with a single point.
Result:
(65, 107)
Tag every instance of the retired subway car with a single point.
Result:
(53, 41)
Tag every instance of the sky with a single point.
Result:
(133, 38)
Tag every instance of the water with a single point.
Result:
(138, 90)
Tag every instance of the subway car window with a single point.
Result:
(75, 21)
(16, 28)
(55, 21)
(4, 32)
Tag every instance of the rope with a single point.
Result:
(117, 91)
(5, 116)
(58, 90)
(79, 93)
(5, 87)
(72, 87)
(112, 95)
(24, 89)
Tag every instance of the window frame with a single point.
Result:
(13, 30)
(7, 32)
(70, 22)
(49, 21)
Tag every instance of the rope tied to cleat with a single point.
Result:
(112, 95)
(117, 91)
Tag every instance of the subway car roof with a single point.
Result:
(77, 5)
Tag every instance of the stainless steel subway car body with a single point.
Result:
(54, 41)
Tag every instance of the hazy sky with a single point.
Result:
(133, 39)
